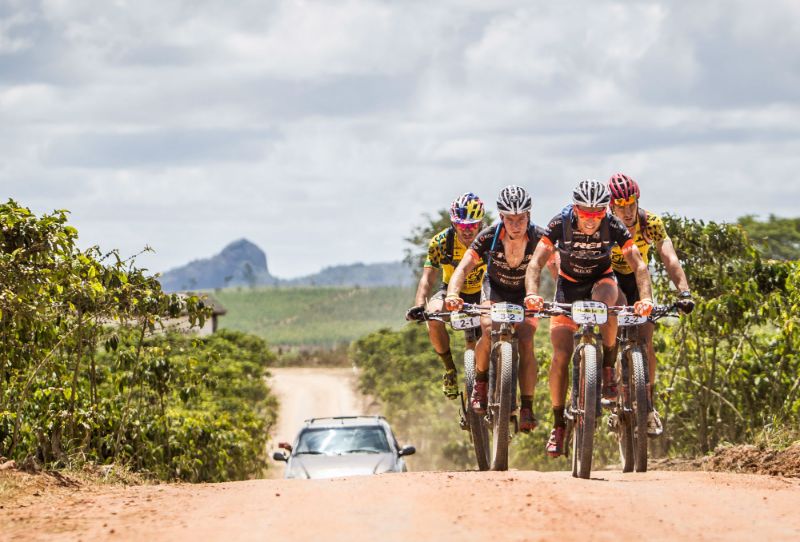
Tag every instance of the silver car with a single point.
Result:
(343, 446)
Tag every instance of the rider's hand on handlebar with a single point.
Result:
(685, 302)
(643, 307)
(453, 302)
(415, 314)
(534, 302)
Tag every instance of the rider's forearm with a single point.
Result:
(456, 281)
(673, 266)
(643, 281)
(533, 274)
(677, 276)
(423, 288)
(553, 265)
(636, 262)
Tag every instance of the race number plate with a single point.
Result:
(589, 312)
(460, 320)
(507, 313)
(627, 319)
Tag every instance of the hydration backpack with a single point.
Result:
(449, 245)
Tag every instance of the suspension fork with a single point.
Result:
(504, 333)
(586, 336)
(631, 337)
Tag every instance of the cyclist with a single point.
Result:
(647, 230)
(445, 251)
(505, 249)
(583, 233)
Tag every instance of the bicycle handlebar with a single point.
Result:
(555, 309)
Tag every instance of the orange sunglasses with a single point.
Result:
(624, 202)
(600, 213)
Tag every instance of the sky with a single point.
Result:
(325, 130)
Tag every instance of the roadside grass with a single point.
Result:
(313, 316)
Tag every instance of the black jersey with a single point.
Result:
(488, 246)
(586, 256)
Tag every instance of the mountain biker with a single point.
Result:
(583, 233)
(647, 230)
(445, 251)
(505, 249)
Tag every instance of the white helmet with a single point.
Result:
(591, 193)
(514, 200)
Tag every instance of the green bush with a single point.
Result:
(726, 373)
(84, 378)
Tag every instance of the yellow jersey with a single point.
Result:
(654, 227)
(437, 258)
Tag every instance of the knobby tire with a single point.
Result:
(478, 430)
(639, 371)
(584, 444)
(625, 417)
(504, 391)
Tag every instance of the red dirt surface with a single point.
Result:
(516, 506)
(756, 460)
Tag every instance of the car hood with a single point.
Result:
(331, 466)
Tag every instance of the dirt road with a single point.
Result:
(307, 393)
(424, 506)
(421, 506)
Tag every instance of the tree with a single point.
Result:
(777, 238)
(84, 375)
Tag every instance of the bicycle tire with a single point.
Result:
(587, 420)
(625, 427)
(501, 421)
(477, 429)
(640, 408)
(625, 441)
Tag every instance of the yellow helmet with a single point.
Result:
(467, 209)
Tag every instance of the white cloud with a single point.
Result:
(322, 130)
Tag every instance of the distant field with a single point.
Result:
(313, 316)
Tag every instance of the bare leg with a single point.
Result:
(528, 368)
(437, 330)
(607, 292)
(561, 337)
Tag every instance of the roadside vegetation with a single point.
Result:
(87, 376)
(728, 373)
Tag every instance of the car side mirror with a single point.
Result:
(279, 456)
(285, 446)
(407, 450)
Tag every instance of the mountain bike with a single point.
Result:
(469, 420)
(629, 413)
(584, 408)
(503, 369)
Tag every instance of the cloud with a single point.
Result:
(324, 130)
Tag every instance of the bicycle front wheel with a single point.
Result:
(504, 394)
(640, 409)
(625, 426)
(587, 411)
(477, 428)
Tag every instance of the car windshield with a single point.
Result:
(343, 440)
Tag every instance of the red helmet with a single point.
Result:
(623, 187)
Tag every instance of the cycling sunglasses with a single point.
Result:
(624, 202)
(599, 213)
(469, 227)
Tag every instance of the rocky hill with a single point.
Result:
(242, 263)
